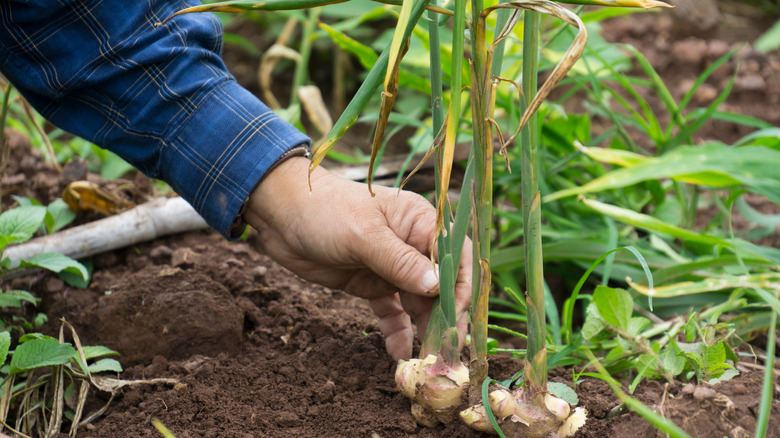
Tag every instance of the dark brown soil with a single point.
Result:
(261, 353)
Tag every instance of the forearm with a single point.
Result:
(160, 97)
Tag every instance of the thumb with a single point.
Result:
(402, 265)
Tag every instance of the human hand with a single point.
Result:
(376, 248)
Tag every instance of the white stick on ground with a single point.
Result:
(156, 218)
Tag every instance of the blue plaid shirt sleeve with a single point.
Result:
(160, 97)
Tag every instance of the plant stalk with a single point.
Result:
(301, 69)
(4, 147)
(482, 195)
(536, 360)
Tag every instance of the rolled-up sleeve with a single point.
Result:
(158, 96)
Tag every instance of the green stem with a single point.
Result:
(3, 145)
(482, 194)
(438, 321)
(536, 360)
(762, 423)
(301, 70)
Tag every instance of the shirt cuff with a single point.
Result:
(221, 152)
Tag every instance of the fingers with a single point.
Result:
(401, 264)
(366, 284)
(395, 325)
(419, 308)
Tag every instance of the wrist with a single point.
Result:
(283, 186)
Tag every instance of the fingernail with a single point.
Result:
(430, 281)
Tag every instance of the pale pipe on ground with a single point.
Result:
(157, 218)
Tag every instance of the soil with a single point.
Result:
(259, 352)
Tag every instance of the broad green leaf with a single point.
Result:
(25, 201)
(770, 40)
(615, 305)
(727, 375)
(5, 343)
(754, 166)
(697, 361)
(58, 215)
(14, 298)
(95, 351)
(714, 359)
(672, 358)
(56, 262)
(564, 392)
(75, 279)
(593, 323)
(637, 324)
(19, 224)
(105, 365)
(40, 353)
(31, 336)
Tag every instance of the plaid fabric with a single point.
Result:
(160, 97)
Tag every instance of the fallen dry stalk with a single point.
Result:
(156, 218)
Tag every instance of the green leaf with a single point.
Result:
(95, 351)
(727, 375)
(770, 40)
(637, 324)
(19, 224)
(25, 201)
(563, 391)
(58, 215)
(114, 166)
(105, 365)
(40, 353)
(75, 279)
(768, 281)
(5, 343)
(709, 164)
(593, 323)
(14, 298)
(673, 359)
(615, 305)
(648, 222)
(56, 262)
(715, 358)
(32, 336)
(697, 362)
(366, 55)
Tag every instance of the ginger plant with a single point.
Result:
(440, 386)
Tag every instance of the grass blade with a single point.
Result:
(756, 281)
(635, 405)
(710, 164)
(650, 223)
(398, 47)
(364, 94)
(568, 305)
(767, 388)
